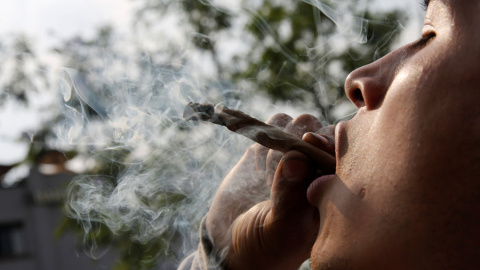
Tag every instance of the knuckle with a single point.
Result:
(279, 120)
(305, 119)
(303, 123)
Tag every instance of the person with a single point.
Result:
(406, 192)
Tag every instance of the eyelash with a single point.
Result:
(422, 42)
(424, 4)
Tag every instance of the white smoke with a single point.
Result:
(157, 173)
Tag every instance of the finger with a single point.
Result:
(291, 182)
(302, 124)
(280, 120)
(272, 160)
(321, 141)
(278, 233)
(298, 127)
(291, 212)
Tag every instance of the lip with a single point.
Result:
(316, 189)
(339, 140)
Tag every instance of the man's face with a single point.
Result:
(406, 193)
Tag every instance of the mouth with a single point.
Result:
(325, 139)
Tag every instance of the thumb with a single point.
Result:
(290, 185)
(279, 233)
(292, 217)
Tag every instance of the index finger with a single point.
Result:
(280, 120)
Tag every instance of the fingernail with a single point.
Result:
(321, 138)
(294, 168)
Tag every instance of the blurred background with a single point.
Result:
(98, 169)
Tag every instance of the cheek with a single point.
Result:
(407, 155)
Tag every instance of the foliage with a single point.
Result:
(21, 71)
(292, 54)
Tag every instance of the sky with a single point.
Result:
(48, 21)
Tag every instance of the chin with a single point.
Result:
(335, 263)
(322, 258)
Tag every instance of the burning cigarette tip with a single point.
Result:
(203, 112)
(197, 111)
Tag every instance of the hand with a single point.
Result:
(261, 215)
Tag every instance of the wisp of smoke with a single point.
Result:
(159, 172)
(354, 27)
(156, 173)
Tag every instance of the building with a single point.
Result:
(30, 213)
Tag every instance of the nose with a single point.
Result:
(367, 85)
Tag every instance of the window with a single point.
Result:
(12, 240)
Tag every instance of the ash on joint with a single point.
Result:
(197, 111)
(202, 112)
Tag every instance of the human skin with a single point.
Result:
(407, 188)
(406, 193)
(281, 215)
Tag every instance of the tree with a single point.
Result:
(295, 52)
(21, 71)
(123, 98)
(26, 85)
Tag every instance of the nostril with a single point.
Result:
(357, 95)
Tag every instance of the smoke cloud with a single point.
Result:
(156, 174)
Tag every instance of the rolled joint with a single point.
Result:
(203, 112)
(258, 131)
